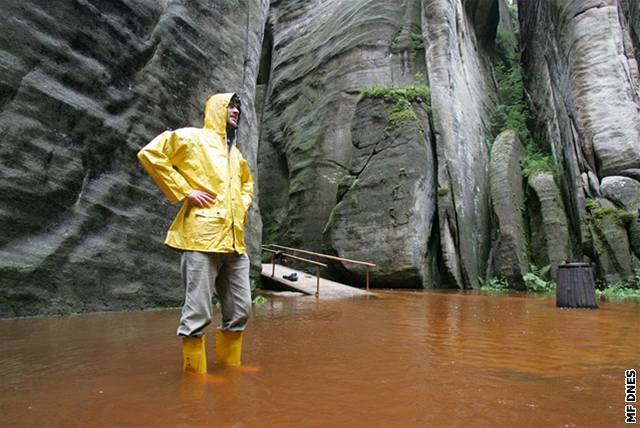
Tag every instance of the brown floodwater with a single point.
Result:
(407, 359)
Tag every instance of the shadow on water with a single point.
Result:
(405, 359)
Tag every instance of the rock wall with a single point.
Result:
(607, 235)
(624, 193)
(510, 259)
(548, 234)
(631, 11)
(386, 214)
(324, 54)
(458, 70)
(83, 86)
(580, 59)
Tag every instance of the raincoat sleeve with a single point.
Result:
(247, 184)
(158, 159)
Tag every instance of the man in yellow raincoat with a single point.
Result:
(204, 168)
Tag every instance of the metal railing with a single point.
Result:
(276, 251)
(282, 255)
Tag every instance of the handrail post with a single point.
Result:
(366, 269)
(317, 281)
(273, 265)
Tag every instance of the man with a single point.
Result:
(204, 168)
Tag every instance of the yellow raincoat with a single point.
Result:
(190, 159)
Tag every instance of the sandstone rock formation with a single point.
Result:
(584, 84)
(585, 43)
(457, 71)
(386, 214)
(625, 194)
(509, 260)
(549, 239)
(324, 54)
(83, 86)
(610, 241)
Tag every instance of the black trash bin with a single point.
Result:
(575, 286)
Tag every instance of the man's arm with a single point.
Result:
(158, 158)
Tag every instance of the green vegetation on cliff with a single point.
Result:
(413, 93)
(537, 280)
(596, 213)
(511, 110)
(628, 290)
(409, 37)
(399, 100)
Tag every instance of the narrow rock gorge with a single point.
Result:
(446, 141)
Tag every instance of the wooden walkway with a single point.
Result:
(307, 282)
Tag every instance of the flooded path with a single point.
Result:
(406, 359)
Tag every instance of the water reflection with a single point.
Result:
(406, 359)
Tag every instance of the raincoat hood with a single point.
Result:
(215, 112)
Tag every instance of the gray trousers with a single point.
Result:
(225, 274)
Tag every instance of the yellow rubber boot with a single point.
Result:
(194, 356)
(228, 347)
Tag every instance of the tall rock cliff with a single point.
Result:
(83, 86)
(580, 59)
(324, 55)
(457, 64)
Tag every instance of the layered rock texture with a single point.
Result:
(549, 240)
(609, 241)
(581, 60)
(509, 259)
(324, 53)
(624, 193)
(390, 202)
(458, 69)
(83, 86)
(367, 124)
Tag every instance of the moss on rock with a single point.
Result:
(399, 101)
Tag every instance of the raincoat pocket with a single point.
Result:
(211, 213)
(209, 222)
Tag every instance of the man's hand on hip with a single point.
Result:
(201, 199)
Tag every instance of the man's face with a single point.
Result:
(233, 115)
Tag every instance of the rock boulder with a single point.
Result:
(386, 215)
(625, 194)
(549, 239)
(610, 243)
(510, 259)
